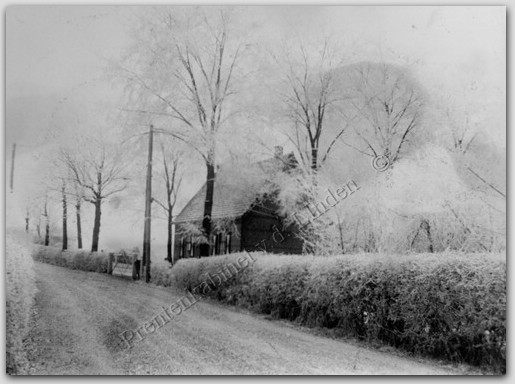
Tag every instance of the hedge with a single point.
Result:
(447, 306)
(81, 260)
(21, 289)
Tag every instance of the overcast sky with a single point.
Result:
(55, 53)
(55, 50)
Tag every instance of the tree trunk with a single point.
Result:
(47, 234)
(169, 242)
(79, 230)
(47, 226)
(314, 157)
(425, 225)
(208, 208)
(38, 228)
(96, 226)
(65, 220)
(340, 230)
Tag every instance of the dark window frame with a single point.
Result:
(228, 239)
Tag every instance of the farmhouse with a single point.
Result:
(245, 214)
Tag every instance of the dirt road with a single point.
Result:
(79, 317)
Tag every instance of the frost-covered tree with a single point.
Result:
(181, 72)
(97, 168)
(312, 100)
(172, 174)
(389, 106)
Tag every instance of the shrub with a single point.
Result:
(161, 275)
(80, 260)
(189, 274)
(20, 293)
(450, 306)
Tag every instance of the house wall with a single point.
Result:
(235, 242)
(257, 230)
(236, 239)
(262, 230)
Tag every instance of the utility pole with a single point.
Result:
(65, 216)
(12, 167)
(148, 211)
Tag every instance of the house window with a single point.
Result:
(218, 239)
(190, 247)
(193, 245)
(181, 249)
(228, 243)
(222, 244)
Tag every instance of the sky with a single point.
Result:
(57, 50)
(54, 53)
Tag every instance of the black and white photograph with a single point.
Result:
(255, 190)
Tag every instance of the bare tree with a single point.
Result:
(27, 218)
(489, 184)
(172, 179)
(65, 176)
(462, 114)
(36, 208)
(390, 106)
(65, 215)
(47, 222)
(32, 212)
(38, 228)
(78, 192)
(101, 174)
(463, 135)
(310, 93)
(184, 71)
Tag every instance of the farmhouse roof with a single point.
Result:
(236, 188)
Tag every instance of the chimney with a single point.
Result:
(278, 151)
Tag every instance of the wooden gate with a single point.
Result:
(124, 263)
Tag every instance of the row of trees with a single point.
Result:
(94, 172)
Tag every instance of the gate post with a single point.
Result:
(135, 267)
(110, 261)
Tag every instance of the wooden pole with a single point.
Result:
(110, 262)
(79, 229)
(148, 211)
(65, 217)
(12, 167)
(47, 224)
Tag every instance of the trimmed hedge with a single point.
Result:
(81, 260)
(447, 306)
